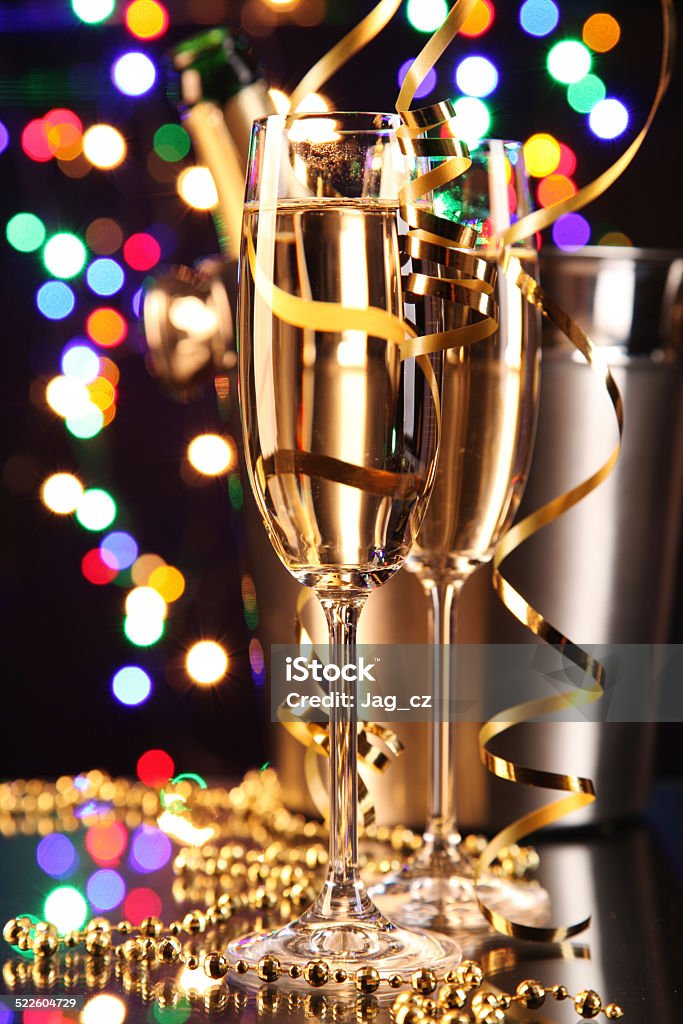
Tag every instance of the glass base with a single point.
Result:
(346, 930)
(436, 890)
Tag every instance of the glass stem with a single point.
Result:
(342, 620)
(442, 832)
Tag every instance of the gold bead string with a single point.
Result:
(432, 998)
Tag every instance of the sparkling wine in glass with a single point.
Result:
(490, 394)
(340, 440)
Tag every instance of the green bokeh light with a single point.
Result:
(426, 15)
(235, 492)
(66, 909)
(171, 142)
(92, 11)
(25, 232)
(64, 255)
(582, 96)
(569, 61)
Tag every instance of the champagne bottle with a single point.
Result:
(221, 93)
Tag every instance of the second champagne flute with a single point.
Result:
(490, 392)
(340, 441)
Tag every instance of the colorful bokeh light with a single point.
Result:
(104, 146)
(479, 20)
(86, 423)
(476, 76)
(196, 187)
(66, 909)
(105, 276)
(95, 569)
(104, 236)
(567, 164)
(143, 568)
(64, 133)
(139, 904)
(146, 19)
(4, 137)
(472, 120)
(61, 493)
(104, 1009)
(582, 96)
(34, 141)
(206, 662)
(106, 327)
(426, 15)
(67, 396)
(141, 251)
(55, 300)
(608, 119)
(25, 232)
(133, 73)
(168, 581)
(601, 32)
(150, 849)
(105, 889)
(209, 454)
(131, 686)
(64, 255)
(80, 361)
(96, 510)
(426, 87)
(542, 154)
(143, 632)
(571, 232)
(106, 842)
(92, 12)
(119, 549)
(155, 768)
(569, 61)
(555, 188)
(145, 604)
(171, 142)
(57, 856)
(539, 17)
(257, 661)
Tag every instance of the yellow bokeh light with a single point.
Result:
(145, 604)
(615, 238)
(196, 187)
(104, 146)
(209, 454)
(280, 101)
(206, 662)
(67, 396)
(146, 19)
(601, 32)
(61, 493)
(167, 581)
(542, 154)
(143, 567)
(104, 1009)
(102, 393)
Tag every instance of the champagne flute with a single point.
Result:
(340, 441)
(490, 393)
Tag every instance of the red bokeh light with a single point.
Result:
(142, 251)
(34, 141)
(141, 903)
(95, 569)
(106, 842)
(155, 768)
(567, 164)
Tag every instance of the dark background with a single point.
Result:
(62, 637)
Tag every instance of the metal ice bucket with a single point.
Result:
(605, 573)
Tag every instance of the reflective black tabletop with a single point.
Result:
(629, 878)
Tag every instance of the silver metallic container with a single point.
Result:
(604, 573)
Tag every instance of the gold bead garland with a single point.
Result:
(283, 875)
